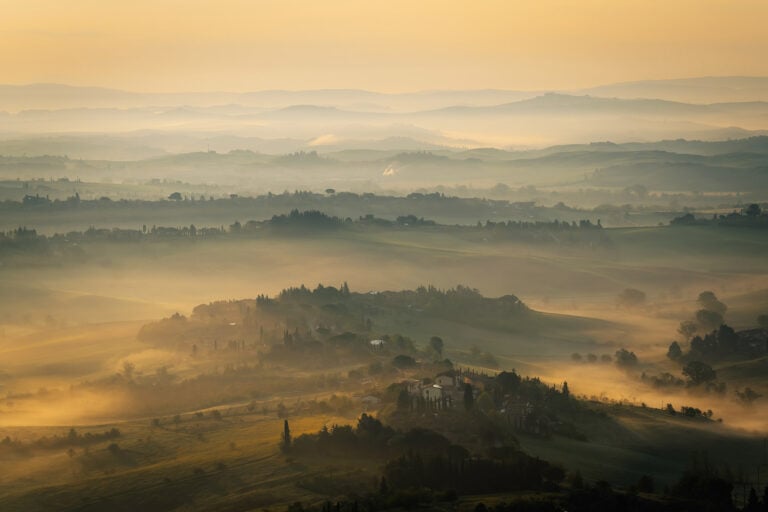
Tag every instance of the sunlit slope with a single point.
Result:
(198, 463)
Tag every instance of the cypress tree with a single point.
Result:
(286, 436)
(469, 397)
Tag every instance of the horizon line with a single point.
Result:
(408, 92)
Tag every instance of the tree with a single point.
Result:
(625, 358)
(175, 196)
(753, 210)
(437, 345)
(699, 372)
(115, 449)
(403, 361)
(509, 382)
(709, 301)
(383, 487)
(747, 396)
(674, 352)
(709, 320)
(286, 437)
(128, 368)
(469, 397)
(566, 391)
(687, 329)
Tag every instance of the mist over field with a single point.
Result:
(356, 257)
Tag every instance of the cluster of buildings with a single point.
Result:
(447, 390)
(444, 386)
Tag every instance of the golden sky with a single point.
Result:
(383, 45)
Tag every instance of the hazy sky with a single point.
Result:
(391, 45)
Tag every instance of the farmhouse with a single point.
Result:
(432, 393)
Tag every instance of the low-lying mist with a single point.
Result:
(86, 330)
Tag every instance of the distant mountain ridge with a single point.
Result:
(57, 96)
(674, 165)
(688, 90)
(335, 120)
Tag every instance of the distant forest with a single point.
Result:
(430, 203)
(305, 222)
(556, 232)
(751, 216)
